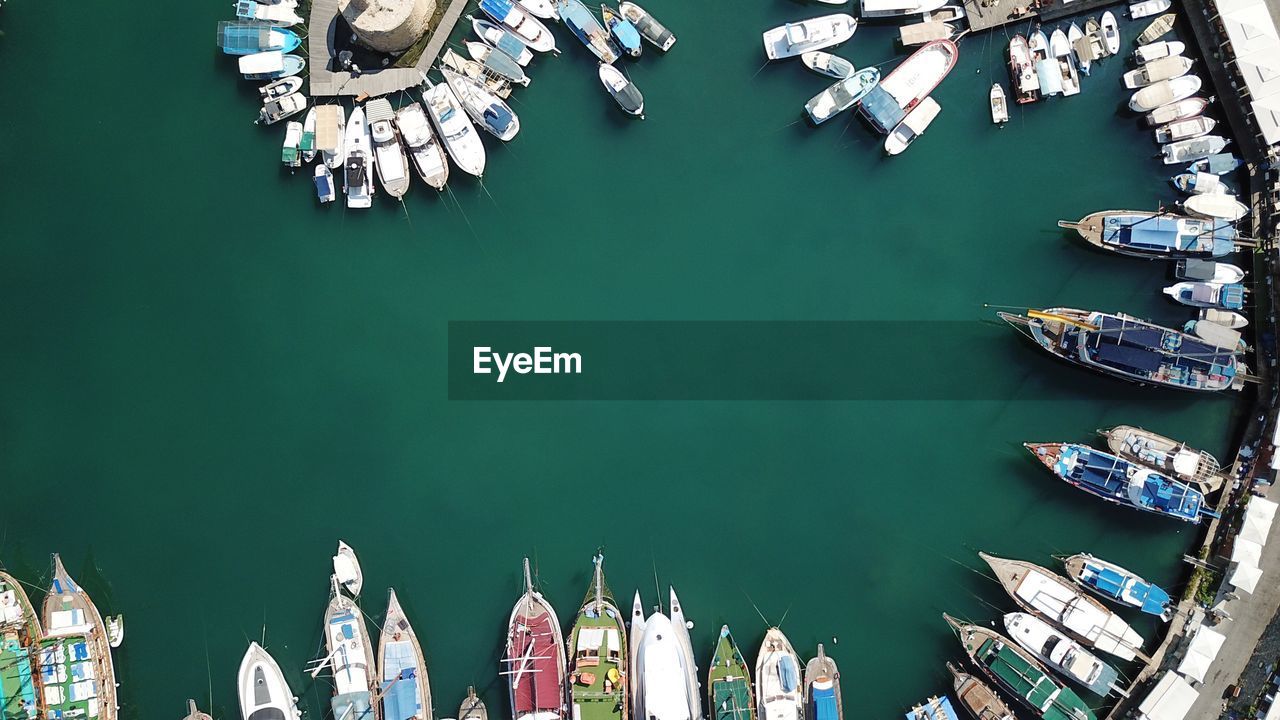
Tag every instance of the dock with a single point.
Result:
(990, 14)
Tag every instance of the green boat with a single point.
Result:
(1017, 672)
(78, 678)
(20, 637)
(597, 657)
(729, 682)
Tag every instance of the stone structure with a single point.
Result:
(388, 26)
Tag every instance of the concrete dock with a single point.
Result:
(990, 14)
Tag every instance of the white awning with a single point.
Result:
(1257, 520)
(1255, 42)
(1246, 552)
(1170, 699)
(1267, 113)
(1245, 577)
(1204, 648)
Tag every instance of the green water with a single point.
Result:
(208, 379)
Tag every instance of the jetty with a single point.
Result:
(991, 14)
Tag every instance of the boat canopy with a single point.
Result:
(788, 673)
(882, 109)
(824, 703)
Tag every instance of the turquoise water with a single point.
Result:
(208, 379)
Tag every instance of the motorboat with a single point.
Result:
(346, 566)
(1225, 318)
(1208, 271)
(842, 95)
(1194, 149)
(247, 38)
(264, 692)
(824, 63)
(1051, 647)
(493, 82)
(279, 13)
(389, 159)
(1164, 92)
(424, 148)
(654, 32)
(908, 85)
(1185, 129)
(331, 122)
(1110, 33)
(498, 62)
(280, 88)
(1160, 49)
(502, 39)
(486, 109)
(1060, 48)
(270, 65)
(454, 127)
(323, 179)
(623, 91)
(999, 104)
(290, 155)
(584, 26)
(912, 126)
(273, 111)
(779, 687)
(519, 21)
(1219, 163)
(1022, 72)
(898, 8)
(1079, 46)
(1147, 8)
(1207, 295)
(358, 182)
(1196, 183)
(541, 9)
(308, 143)
(796, 38)
(1166, 68)
(1179, 110)
(1216, 205)
(621, 30)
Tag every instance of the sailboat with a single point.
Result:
(533, 661)
(1158, 452)
(779, 689)
(664, 676)
(350, 655)
(597, 661)
(729, 691)
(404, 689)
(75, 635)
(1112, 582)
(822, 688)
(263, 690)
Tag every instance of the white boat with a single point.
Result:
(898, 8)
(424, 149)
(1156, 50)
(842, 95)
(1060, 47)
(912, 126)
(1216, 205)
(1038, 44)
(664, 683)
(273, 111)
(492, 81)
(1157, 29)
(346, 566)
(1166, 68)
(1075, 36)
(653, 32)
(779, 687)
(331, 122)
(280, 88)
(521, 23)
(280, 13)
(308, 144)
(824, 63)
(1180, 110)
(948, 14)
(495, 60)
(486, 109)
(1225, 318)
(349, 652)
(1211, 271)
(1207, 295)
(270, 65)
(323, 179)
(1185, 151)
(999, 104)
(623, 91)
(1110, 33)
(290, 155)
(264, 693)
(460, 137)
(389, 157)
(1147, 8)
(542, 9)
(501, 39)
(1185, 129)
(357, 180)
(1022, 71)
(1164, 92)
(1047, 69)
(817, 33)
(1067, 657)
(1198, 182)
(908, 84)
(405, 693)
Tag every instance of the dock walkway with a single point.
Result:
(991, 14)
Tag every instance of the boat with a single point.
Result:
(115, 630)
(898, 8)
(948, 14)
(323, 179)
(282, 14)
(454, 128)
(1112, 582)
(842, 95)
(1180, 110)
(1157, 50)
(350, 652)
(541, 9)
(1157, 29)
(331, 121)
(1147, 8)
(264, 692)
(1163, 454)
(911, 82)
(1164, 92)
(1060, 653)
(477, 73)
(1225, 318)
(504, 40)
(290, 155)
(424, 148)
(1018, 673)
(912, 126)
(1216, 205)
(486, 109)
(1195, 183)
(1149, 234)
(976, 697)
(247, 38)
(923, 32)
(823, 63)
(521, 23)
(1223, 337)
(621, 30)
(273, 111)
(1025, 82)
(76, 668)
(999, 105)
(623, 91)
(1167, 68)
(1202, 294)
(346, 566)
(20, 650)
(1218, 163)
(729, 691)
(1208, 271)
(270, 65)
(533, 660)
(472, 707)
(584, 26)
(934, 708)
(193, 712)
(1121, 482)
(1128, 348)
(664, 676)
(822, 688)
(654, 32)
(358, 182)
(308, 143)
(597, 662)
(1110, 33)
(779, 690)
(1193, 149)
(1076, 37)
(498, 62)
(280, 88)
(1185, 129)
(1069, 78)
(1047, 72)
(403, 685)
(791, 39)
(1054, 598)
(1093, 46)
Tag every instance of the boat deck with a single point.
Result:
(595, 696)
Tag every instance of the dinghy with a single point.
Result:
(1060, 47)
(1077, 40)
(503, 40)
(424, 148)
(842, 95)
(402, 672)
(1223, 337)
(623, 91)
(520, 22)
(999, 105)
(823, 63)
(822, 688)
(346, 567)
(486, 109)
(1185, 129)
(622, 31)
(654, 32)
(1157, 50)
(497, 62)
(1164, 92)
(976, 697)
(1147, 8)
(389, 158)
(358, 182)
(817, 33)
(584, 26)
(263, 690)
(1060, 653)
(1207, 295)
(533, 660)
(1193, 149)
(1216, 205)
(460, 138)
(729, 691)
(1180, 110)
(1163, 454)
(779, 688)
(1112, 582)
(912, 126)
(1110, 33)
(1026, 84)
(1157, 29)
(323, 180)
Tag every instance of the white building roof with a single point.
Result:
(1256, 44)
(1170, 699)
(1257, 520)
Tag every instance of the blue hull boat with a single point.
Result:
(622, 31)
(935, 708)
(247, 38)
(1155, 234)
(588, 30)
(1112, 582)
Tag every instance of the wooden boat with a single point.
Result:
(1165, 235)
(20, 650)
(1156, 50)
(1079, 46)
(1164, 92)
(1121, 482)
(1060, 47)
(934, 708)
(1180, 110)
(1157, 29)
(493, 82)
(77, 636)
(533, 661)
(842, 95)
(654, 32)
(1167, 68)
(1022, 71)
(791, 39)
(1061, 654)
(1185, 129)
(1147, 8)
(1218, 163)
(404, 687)
(1216, 205)
(424, 148)
(912, 126)
(346, 567)
(264, 692)
(779, 686)
(472, 708)
(824, 63)
(908, 84)
(976, 697)
(948, 14)
(1169, 456)
(999, 105)
(621, 30)
(350, 657)
(822, 688)
(598, 662)
(1110, 33)
(622, 90)
(729, 691)
(499, 62)
(1112, 582)
(193, 713)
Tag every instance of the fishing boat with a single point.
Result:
(1157, 50)
(1195, 183)
(1121, 482)
(1061, 654)
(597, 662)
(323, 179)
(779, 690)
(541, 9)
(1128, 348)
(911, 82)
(331, 122)
(1225, 318)
(1069, 78)
(1018, 673)
(1079, 47)
(1207, 295)
(841, 96)
(791, 39)
(1110, 33)
(76, 671)
(912, 126)
(976, 697)
(533, 661)
(1218, 163)
(1185, 129)
(1147, 8)
(454, 128)
(280, 88)
(472, 707)
(1149, 234)
(1163, 454)
(350, 651)
(404, 689)
(273, 111)
(282, 14)
(521, 23)
(193, 712)
(1193, 149)
(898, 8)
(346, 566)
(1026, 84)
(1164, 92)
(290, 155)
(270, 65)
(948, 14)
(504, 40)
(486, 109)
(1208, 271)
(623, 91)
(1050, 78)
(1175, 111)
(1054, 598)
(247, 38)
(822, 688)
(264, 693)
(621, 30)
(823, 63)
(729, 691)
(1157, 29)
(654, 32)
(498, 62)
(494, 83)
(935, 708)
(1093, 44)
(999, 105)
(358, 182)
(664, 677)
(1216, 205)
(1167, 68)
(584, 26)
(424, 148)
(308, 143)
(1112, 582)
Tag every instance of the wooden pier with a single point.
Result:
(991, 14)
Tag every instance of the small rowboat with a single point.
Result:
(1157, 29)
(346, 568)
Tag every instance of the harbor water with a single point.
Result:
(208, 379)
